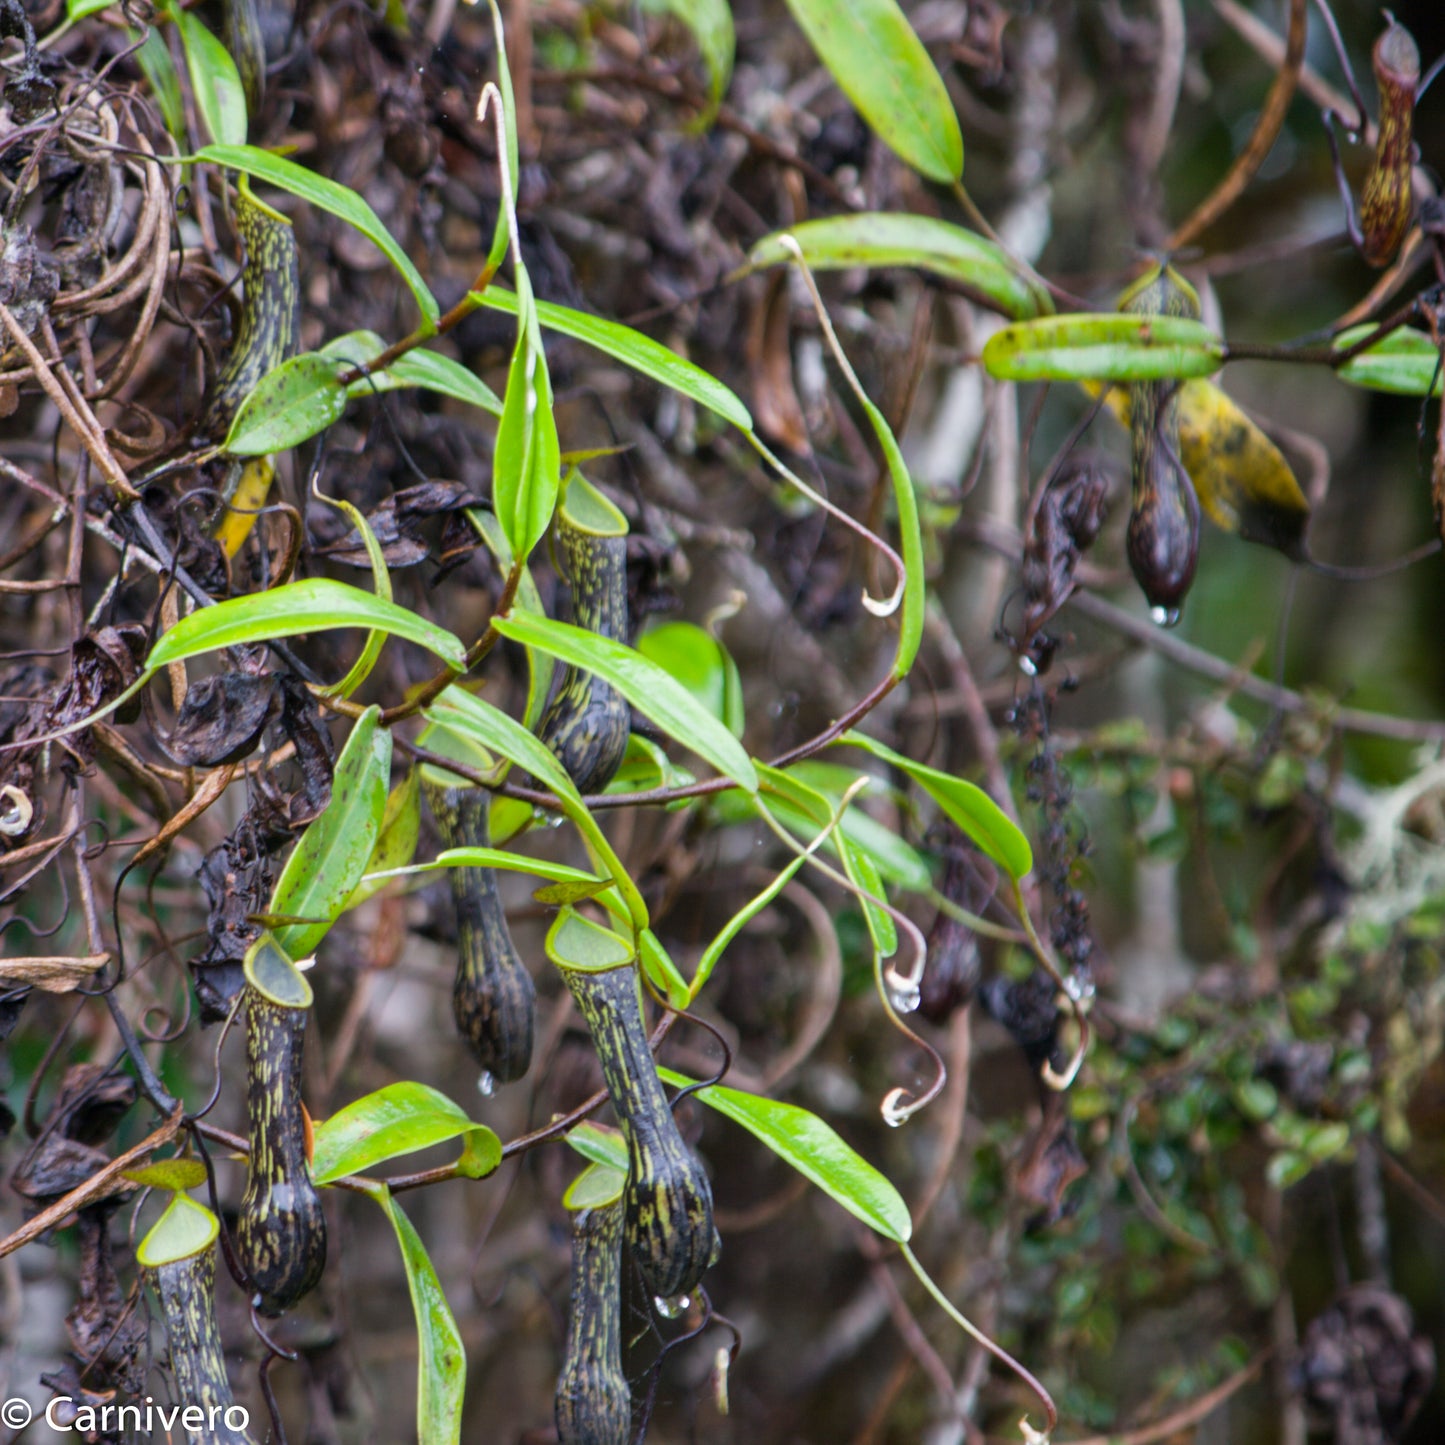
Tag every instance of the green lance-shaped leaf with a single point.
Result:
(880, 64)
(469, 717)
(815, 1151)
(215, 81)
(897, 862)
(540, 667)
(399, 1119)
(990, 829)
(804, 799)
(162, 82)
(429, 370)
(711, 23)
(315, 604)
(645, 685)
(632, 348)
(396, 842)
(1405, 362)
(339, 200)
(527, 460)
(696, 659)
(360, 670)
(510, 161)
(876, 239)
(441, 1370)
(1103, 346)
(333, 852)
(588, 883)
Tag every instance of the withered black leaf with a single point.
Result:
(1363, 1369)
(28, 91)
(106, 1332)
(1063, 526)
(1052, 1162)
(315, 752)
(29, 280)
(951, 972)
(1029, 1013)
(222, 718)
(84, 1113)
(237, 878)
(396, 524)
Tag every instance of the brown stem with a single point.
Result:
(430, 690)
(1266, 131)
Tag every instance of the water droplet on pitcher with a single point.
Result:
(1164, 616)
(671, 1309)
(486, 1084)
(546, 818)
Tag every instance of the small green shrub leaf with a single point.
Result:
(459, 712)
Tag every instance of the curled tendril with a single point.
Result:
(898, 1104)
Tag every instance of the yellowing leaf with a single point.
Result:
(1241, 477)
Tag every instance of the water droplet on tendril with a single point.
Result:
(896, 1109)
(1028, 666)
(905, 997)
